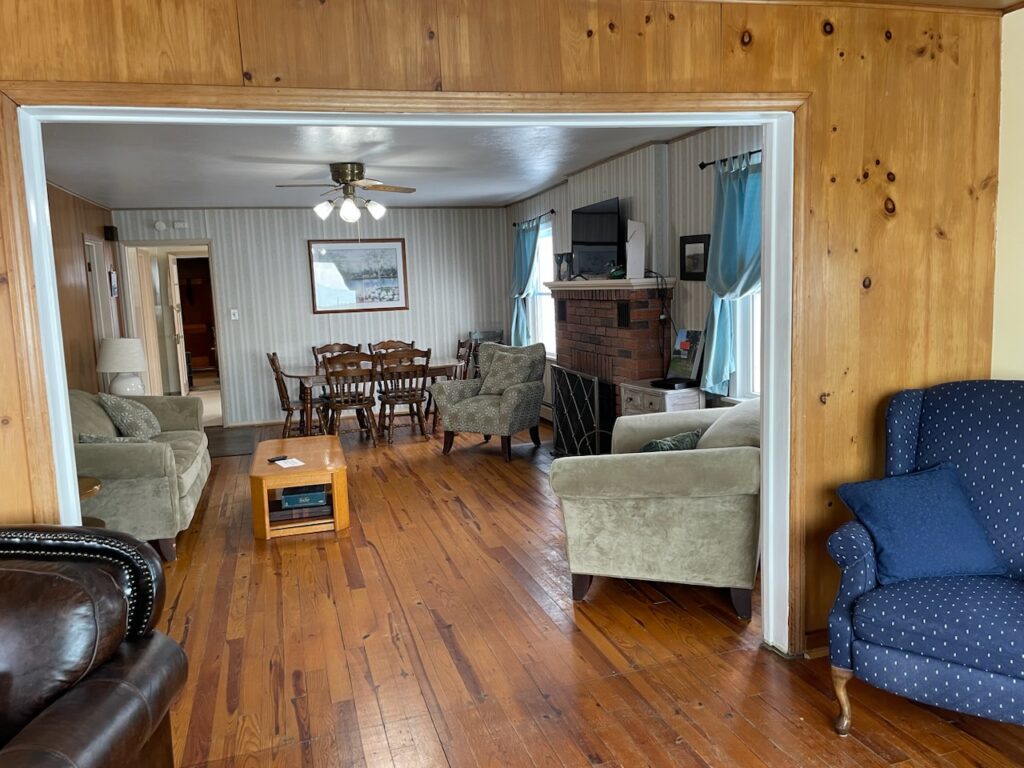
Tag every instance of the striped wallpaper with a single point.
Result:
(661, 186)
(459, 263)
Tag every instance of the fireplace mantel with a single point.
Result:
(645, 284)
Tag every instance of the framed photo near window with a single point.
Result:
(358, 275)
(693, 256)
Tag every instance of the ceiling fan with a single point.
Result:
(347, 178)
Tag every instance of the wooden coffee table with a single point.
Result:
(323, 464)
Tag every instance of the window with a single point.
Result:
(746, 381)
(542, 304)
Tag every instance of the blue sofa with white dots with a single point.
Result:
(955, 642)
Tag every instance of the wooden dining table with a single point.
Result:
(310, 377)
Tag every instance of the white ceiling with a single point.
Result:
(201, 166)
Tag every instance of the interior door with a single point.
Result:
(174, 294)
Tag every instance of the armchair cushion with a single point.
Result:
(60, 620)
(976, 621)
(505, 370)
(131, 418)
(739, 425)
(922, 525)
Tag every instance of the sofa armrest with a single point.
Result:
(448, 393)
(135, 565)
(174, 413)
(110, 716)
(631, 432)
(853, 550)
(669, 474)
(124, 461)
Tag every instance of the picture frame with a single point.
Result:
(693, 257)
(367, 275)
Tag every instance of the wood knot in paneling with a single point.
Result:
(890, 206)
(590, 33)
(828, 27)
(866, 283)
(823, 397)
(888, 35)
(5, 421)
(247, 76)
(940, 233)
(3, 278)
(747, 38)
(612, 27)
(890, 176)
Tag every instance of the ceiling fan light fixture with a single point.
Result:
(377, 210)
(323, 209)
(349, 211)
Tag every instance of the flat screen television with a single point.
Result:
(598, 239)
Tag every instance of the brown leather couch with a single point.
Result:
(85, 682)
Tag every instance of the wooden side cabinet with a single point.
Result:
(641, 397)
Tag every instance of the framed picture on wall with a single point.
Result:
(358, 275)
(693, 256)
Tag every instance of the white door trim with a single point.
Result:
(777, 258)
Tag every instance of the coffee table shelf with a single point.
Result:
(323, 463)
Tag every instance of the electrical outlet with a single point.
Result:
(234, 314)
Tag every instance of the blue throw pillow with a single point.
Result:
(923, 525)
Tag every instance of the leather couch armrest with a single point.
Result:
(174, 412)
(134, 564)
(106, 718)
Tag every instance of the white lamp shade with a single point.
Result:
(323, 210)
(377, 210)
(349, 211)
(121, 356)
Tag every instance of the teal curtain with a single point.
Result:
(734, 265)
(524, 253)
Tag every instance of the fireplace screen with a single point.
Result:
(580, 413)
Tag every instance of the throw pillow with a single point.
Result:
(684, 441)
(739, 425)
(923, 525)
(132, 419)
(506, 369)
(87, 438)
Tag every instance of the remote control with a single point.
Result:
(272, 459)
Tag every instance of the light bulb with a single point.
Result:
(349, 211)
(376, 209)
(323, 210)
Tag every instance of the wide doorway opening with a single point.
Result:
(267, 297)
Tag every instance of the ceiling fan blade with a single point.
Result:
(367, 183)
(389, 188)
(304, 185)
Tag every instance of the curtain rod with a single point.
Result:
(546, 213)
(709, 163)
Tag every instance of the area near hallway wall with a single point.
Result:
(660, 185)
(459, 265)
(72, 219)
(1008, 315)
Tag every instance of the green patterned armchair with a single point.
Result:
(505, 399)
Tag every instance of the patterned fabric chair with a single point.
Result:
(464, 409)
(955, 642)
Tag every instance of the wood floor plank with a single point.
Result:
(439, 631)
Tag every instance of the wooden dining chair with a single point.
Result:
(288, 406)
(478, 338)
(390, 345)
(351, 386)
(403, 377)
(335, 348)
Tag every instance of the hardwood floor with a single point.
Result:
(439, 631)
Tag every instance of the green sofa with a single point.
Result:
(149, 490)
(688, 517)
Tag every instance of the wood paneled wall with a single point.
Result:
(898, 143)
(71, 220)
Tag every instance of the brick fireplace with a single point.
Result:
(612, 329)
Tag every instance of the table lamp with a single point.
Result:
(126, 358)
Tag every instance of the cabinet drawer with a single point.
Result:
(653, 403)
(632, 401)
